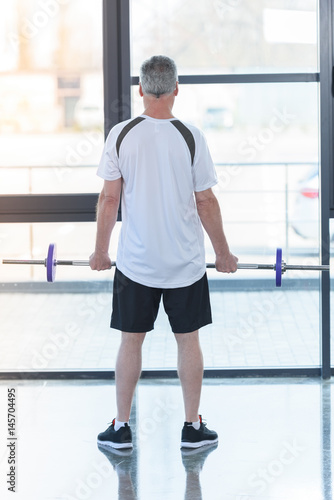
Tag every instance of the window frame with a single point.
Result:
(117, 107)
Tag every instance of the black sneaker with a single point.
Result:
(191, 438)
(115, 439)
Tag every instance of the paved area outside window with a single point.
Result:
(71, 331)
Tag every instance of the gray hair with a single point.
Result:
(158, 75)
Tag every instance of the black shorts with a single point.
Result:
(135, 306)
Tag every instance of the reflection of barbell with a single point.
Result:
(51, 263)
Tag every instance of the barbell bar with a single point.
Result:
(51, 263)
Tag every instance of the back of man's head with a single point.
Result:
(158, 76)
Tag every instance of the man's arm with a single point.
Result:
(209, 212)
(107, 208)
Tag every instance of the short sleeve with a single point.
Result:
(108, 167)
(204, 173)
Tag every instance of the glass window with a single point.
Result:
(264, 142)
(226, 36)
(74, 241)
(51, 88)
(54, 326)
(57, 331)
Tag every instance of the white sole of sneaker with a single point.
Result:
(110, 444)
(185, 444)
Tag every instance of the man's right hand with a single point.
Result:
(100, 261)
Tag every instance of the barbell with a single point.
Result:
(51, 263)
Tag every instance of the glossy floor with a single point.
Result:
(274, 442)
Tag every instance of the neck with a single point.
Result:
(160, 108)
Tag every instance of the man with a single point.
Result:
(164, 171)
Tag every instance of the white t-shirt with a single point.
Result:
(161, 243)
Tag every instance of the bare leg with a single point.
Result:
(190, 371)
(127, 372)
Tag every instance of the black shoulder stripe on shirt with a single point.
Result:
(188, 137)
(127, 129)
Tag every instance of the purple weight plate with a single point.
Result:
(278, 267)
(51, 263)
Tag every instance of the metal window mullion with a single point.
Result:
(159, 373)
(110, 79)
(48, 208)
(116, 65)
(124, 57)
(244, 78)
(326, 156)
(116, 62)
